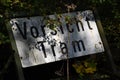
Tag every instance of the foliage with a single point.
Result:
(110, 17)
(109, 11)
(85, 67)
(3, 36)
(52, 23)
(3, 39)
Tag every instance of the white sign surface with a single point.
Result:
(76, 34)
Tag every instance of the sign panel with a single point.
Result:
(75, 34)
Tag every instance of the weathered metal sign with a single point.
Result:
(77, 35)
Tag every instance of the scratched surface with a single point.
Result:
(37, 44)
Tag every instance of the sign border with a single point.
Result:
(101, 33)
(104, 40)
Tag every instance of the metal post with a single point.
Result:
(15, 53)
(106, 46)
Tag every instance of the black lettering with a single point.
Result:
(24, 32)
(52, 47)
(77, 43)
(43, 30)
(54, 32)
(61, 28)
(77, 23)
(68, 28)
(64, 48)
(43, 47)
(34, 32)
(87, 19)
